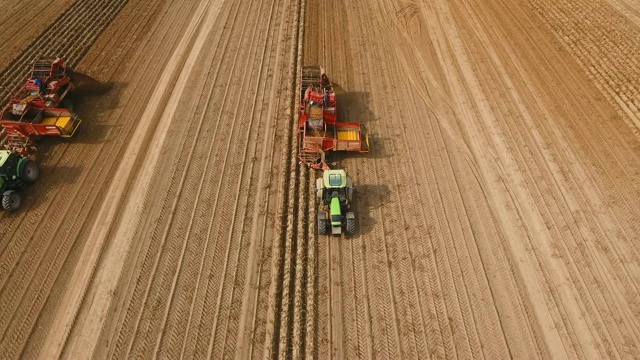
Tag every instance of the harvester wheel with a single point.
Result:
(351, 223)
(322, 223)
(30, 171)
(11, 200)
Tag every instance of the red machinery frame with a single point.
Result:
(57, 84)
(319, 130)
(34, 111)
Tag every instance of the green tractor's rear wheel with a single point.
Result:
(351, 223)
(11, 200)
(29, 171)
(322, 223)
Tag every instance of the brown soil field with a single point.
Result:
(497, 210)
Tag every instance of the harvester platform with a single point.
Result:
(319, 130)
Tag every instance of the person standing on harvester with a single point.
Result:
(40, 84)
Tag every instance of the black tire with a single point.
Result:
(30, 171)
(11, 200)
(322, 223)
(351, 224)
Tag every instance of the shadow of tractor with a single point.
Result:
(366, 200)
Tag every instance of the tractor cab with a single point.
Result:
(336, 184)
(334, 191)
(8, 162)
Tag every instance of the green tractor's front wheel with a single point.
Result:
(11, 200)
(322, 223)
(351, 223)
(29, 170)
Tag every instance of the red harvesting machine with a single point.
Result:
(40, 108)
(319, 131)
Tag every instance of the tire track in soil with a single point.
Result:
(134, 302)
(459, 261)
(205, 335)
(593, 254)
(556, 206)
(464, 262)
(531, 175)
(482, 108)
(284, 295)
(13, 78)
(239, 257)
(13, 32)
(41, 284)
(153, 63)
(455, 307)
(162, 273)
(47, 316)
(73, 300)
(604, 43)
(269, 10)
(549, 160)
(170, 305)
(188, 347)
(482, 316)
(286, 28)
(565, 315)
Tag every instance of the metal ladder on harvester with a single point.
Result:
(310, 77)
(309, 153)
(16, 142)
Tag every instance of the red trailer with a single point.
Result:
(319, 130)
(22, 132)
(40, 108)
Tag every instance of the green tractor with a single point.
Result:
(16, 172)
(334, 192)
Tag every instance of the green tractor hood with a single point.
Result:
(336, 213)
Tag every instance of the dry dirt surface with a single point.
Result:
(498, 208)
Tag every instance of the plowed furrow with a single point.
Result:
(37, 244)
(582, 266)
(91, 311)
(13, 77)
(222, 136)
(226, 320)
(266, 19)
(85, 18)
(282, 55)
(284, 218)
(146, 260)
(604, 43)
(23, 20)
(593, 254)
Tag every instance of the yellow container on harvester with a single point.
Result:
(349, 135)
(62, 122)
